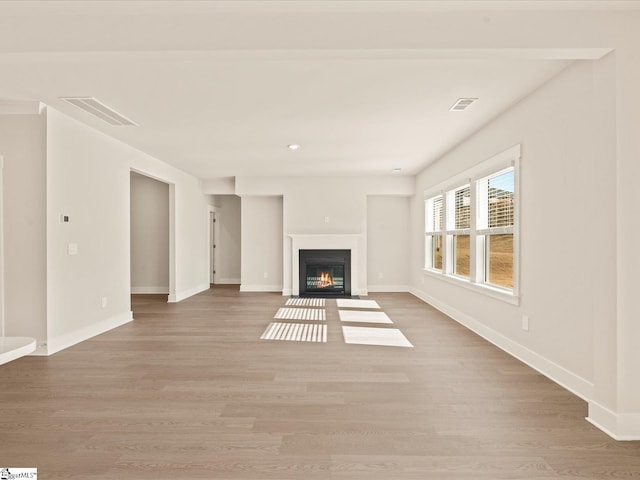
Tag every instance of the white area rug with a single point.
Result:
(391, 337)
(363, 316)
(300, 314)
(296, 332)
(306, 302)
(349, 303)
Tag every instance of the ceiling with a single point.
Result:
(221, 88)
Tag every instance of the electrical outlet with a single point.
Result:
(326, 219)
(104, 302)
(525, 323)
(380, 275)
(266, 274)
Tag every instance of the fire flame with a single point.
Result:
(325, 280)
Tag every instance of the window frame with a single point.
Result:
(431, 232)
(508, 159)
(452, 230)
(484, 231)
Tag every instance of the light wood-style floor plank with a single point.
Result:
(190, 391)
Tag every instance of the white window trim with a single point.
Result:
(450, 230)
(429, 232)
(508, 158)
(482, 288)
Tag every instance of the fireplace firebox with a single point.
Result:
(325, 273)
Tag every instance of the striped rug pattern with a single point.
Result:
(296, 332)
(314, 314)
(305, 302)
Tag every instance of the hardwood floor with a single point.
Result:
(189, 391)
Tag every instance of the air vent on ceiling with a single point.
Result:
(462, 104)
(100, 110)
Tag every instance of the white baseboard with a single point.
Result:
(149, 290)
(389, 288)
(261, 288)
(227, 281)
(563, 377)
(620, 426)
(69, 339)
(41, 349)
(360, 291)
(178, 297)
(287, 292)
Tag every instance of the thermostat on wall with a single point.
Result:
(64, 218)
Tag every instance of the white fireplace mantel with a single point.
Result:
(330, 241)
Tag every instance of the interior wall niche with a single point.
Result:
(149, 235)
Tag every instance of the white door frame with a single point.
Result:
(213, 229)
(2, 331)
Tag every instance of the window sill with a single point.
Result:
(487, 290)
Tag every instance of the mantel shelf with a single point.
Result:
(293, 235)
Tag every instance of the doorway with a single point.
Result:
(224, 227)
(150, 228)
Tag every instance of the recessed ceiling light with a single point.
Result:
(396, 170)
(293, 146)
(462, 104)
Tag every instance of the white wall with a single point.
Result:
(219, 186)
(567, 230)
(149, 235)
(325, 206)
(89, 180)
(388, 239)
(262, 260)
(617, 340)
(228, 243)
(308, 202)
(22, 143)
(213, 200)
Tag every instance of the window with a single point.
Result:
(471, 227)
(495, 228)
(433, 228)
(459, 230)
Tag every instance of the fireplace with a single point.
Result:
(325, 273)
